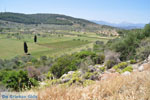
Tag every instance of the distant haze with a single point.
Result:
(122, 25)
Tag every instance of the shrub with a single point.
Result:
(128, 68)
(63, 65)
(98, 46)
(133, 61)
(88, 75)
(19, 80)
(84, 54)
(109, 64)
(111, 55)
(76, 79)
(33, 72)
(50, 75)
(99, 59)
(102, 68)
(121, 65)
(144, 50)
(75, 61)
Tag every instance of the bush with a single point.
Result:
(33, 73)
(109, 64)
(128, 68)
(84, 54)
(102, 69)
(133, 61)
(50, 75)
(121, 65)
(75, 61)
(99, 59)
(63, 65)
(129, 42)
(144, 50)
(19, 80)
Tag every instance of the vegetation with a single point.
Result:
(42, 18)
(133, 61)
(35, 38)
(18, 80)
(129, 42)
(25, 48)
(128, 68)
(70, 48)
(103, 90)
(73, 62)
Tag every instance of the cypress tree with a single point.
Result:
(25, 48)
(35, 38)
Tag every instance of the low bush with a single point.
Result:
(99, 59)
(109, 64)
(63, 65)
(102, 69)
(75, 61)
(133, 61)
(121, 65)
(128, 68)
(18, 80)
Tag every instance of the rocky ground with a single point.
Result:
(124, 81)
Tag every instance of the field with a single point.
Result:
(53, 45)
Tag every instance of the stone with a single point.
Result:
(141, 68)
(63, 76)
(42, 84)
(145, 66)
(112, 70)
(65, 80)
(94, 77)
(71, 72)
(135, 66)
(126, 73)
(91, 68)
(148, 58)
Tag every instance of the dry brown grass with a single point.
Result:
(133, 87)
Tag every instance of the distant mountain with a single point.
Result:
(43, 18)
(123, 25)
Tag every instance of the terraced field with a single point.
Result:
(50, 45)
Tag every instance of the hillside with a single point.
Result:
(56, 19)
(45, 23)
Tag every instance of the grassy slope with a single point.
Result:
(133, 87)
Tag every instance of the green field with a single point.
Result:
(51, 45)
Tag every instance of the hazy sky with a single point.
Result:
(135, 11)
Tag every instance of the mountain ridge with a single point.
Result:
(43, 18)
(122, 25)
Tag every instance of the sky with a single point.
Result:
(114, 11)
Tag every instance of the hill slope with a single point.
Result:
(42, 18)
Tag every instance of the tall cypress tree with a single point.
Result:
(35, 38)
(25, 48)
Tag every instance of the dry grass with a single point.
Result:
(133, 87)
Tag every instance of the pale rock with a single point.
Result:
(112, 70)
(71, 72)
(135, 66)
(65, 80)
(126, 73)
(141, 68)
(91, 68)
(148, 58)
(63, 76)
